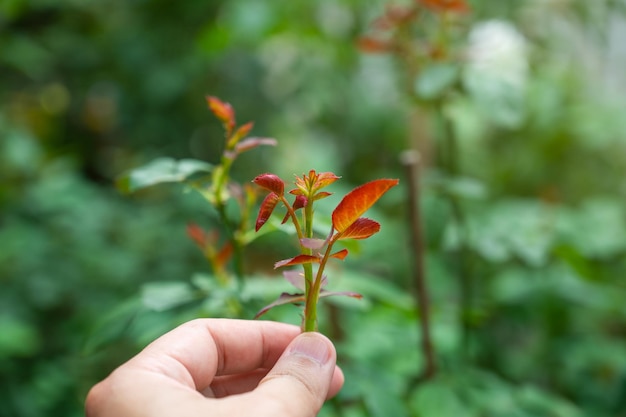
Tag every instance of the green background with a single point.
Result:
(532, 217)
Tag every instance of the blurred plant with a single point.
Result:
(478, 82)
(347, 223)
(215, 185)
(535, 94)
(425, 37)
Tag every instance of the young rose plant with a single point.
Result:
(347, 223)
(214, 183)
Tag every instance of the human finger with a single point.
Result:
(304, 376)
(195, 352)
(224, 386)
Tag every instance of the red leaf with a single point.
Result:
(358, 201)
(240, 133)
(362, 228)
(356, 295)
(223, 111)
(325, 179)
(196, 234)
(298, 203)
(458, 6)
(252, 143)
(297, 260)
(284, 298)
(224, 255)
(309, 185)
(296, 278)
(400, 14)
(321, 194)
(371, 45)
(266, 209)
(271, 183)
(340, 254)
(311, 243)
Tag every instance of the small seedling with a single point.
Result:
(213, 182)
(347, 223)
(224, 251)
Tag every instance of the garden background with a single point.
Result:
(510, 116)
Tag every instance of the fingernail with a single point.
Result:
(313, 346)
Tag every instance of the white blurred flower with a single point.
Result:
(497, 70)
(497, 50)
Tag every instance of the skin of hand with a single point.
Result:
(223, 367)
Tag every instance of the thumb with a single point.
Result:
(304, 376)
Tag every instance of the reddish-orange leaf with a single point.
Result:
(266, 209)
(372, 45)
(240, 133)
(458, 6)
(251, 143)
(297, 260)
(309, 185)
(325, 179)
(271, 183)
(223, 111)
(362, 228)
(312, 243)
(224, 255)
(285, 298)
(196, 234)
(325, 293)
(298, 203)
(296, 278)
(340, 254)
(395, 16)
(302, 185)
(321, 194)
(357, 201)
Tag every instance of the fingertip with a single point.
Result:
(314, 346)
(321, 349)
(304, 377)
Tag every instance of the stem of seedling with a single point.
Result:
(346, 224)
(312, 296)
(231, 229)
(310, 308)
(309, 323)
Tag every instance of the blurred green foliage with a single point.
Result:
(89, 90)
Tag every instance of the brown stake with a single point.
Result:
(411, 161)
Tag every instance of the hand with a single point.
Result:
(222, 367)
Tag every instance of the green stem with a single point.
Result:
(310, 307)
(311, 295)
(220, 182)
(307, 324)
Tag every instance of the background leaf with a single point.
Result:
(539, 148)
(161, 170)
